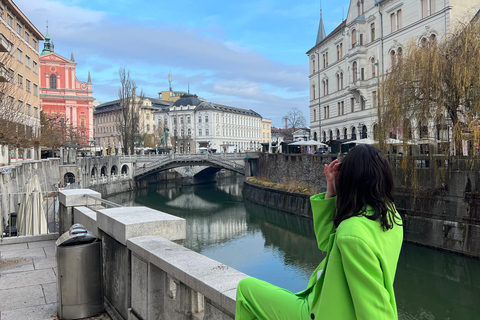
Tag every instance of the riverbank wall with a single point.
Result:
(439, 198)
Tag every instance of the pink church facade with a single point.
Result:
(63, 95)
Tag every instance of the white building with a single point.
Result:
(194, 125)
(346, 65)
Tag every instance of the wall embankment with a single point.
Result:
(439, 198)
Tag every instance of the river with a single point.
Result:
(280, 248)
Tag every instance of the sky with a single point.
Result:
(247, 54)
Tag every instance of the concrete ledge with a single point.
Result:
(87, 218)
(216, 281)
(76, 197)
(25, 239)
(128, 222)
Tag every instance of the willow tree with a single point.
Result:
(435, 80)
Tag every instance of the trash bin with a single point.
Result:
(80, 279)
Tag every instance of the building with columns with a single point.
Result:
(19, 82)
(346, 66)
(194, 125)
(63, 96)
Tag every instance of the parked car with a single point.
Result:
(321, 150)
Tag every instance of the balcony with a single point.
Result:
(5, 75)
(5, 45)
(357, 50)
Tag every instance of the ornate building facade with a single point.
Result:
(346, 66)
(63, 96)
(194, 125)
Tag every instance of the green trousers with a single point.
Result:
(257, 299)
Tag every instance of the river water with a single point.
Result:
(280, 248)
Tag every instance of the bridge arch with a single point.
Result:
(68, 178)
(114, 170)
(94, 172)
(125, 169)
(103, 171)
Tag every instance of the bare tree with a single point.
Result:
(294, 118)
(57, 132)
(18, 119)
(435, 82)
(128, 119)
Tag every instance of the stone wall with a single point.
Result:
(442, 211)
(147, 273)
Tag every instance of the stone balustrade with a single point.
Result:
(147, 273)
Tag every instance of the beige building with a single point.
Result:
(346, 65)
(266, 130)
(105, 117)
(19, 82)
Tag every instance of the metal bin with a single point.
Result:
(80, 279)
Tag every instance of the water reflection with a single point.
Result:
(280, 248)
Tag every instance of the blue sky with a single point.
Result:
(246, 54)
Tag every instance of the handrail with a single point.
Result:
(110, 203)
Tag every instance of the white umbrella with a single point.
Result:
(307, 143)
(398, 142)
(39, 219)
(24, 215)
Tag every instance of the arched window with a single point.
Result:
(364, 132)
(423, 42)
(338, 134)
(330, 134)
(338, 82)
(374, 67)
(354, 71)
(354, 133)
(315, 136)
(341, 80)
(423, 130)
(399, 54)
(392, 58)
(354, 38)
(53, 81)
(345, 133)
(324, 136)
(433, 39)
(375, 133)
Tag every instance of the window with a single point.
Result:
(362, 103)
(188, 120)
(338, 109)
(53, 81)
(28, 85)
(372, 31)
(148, 126)
(342, 108)
(361, 39)
(27, 37)
(35, 44)
(35, 89)
(326, 56)
(313, 94)
(206, 118)
(207, 132)
(324, 61)
(338, 52)
(148, 116)
(314, 115)
(326, 85)
(362, 73)
(352, 104)
(392, 58)
(428, 7)
(341, 80)
(20, 106)
(19, 29)
(374, 67)
(396, 20)
(19, 55)
(374, 99)
(9, 20)
(35, 112)
(28, 110)
(27, 61)
(338, 82)
(354, 71)
(199, 132)
(341, 50)
(433, 39)
(199, 119)
(313, 66)
(20, 81)
(354, 38)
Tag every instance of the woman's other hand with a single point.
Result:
(331, 173)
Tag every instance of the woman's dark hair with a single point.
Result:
(365, 178)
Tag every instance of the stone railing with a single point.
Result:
(148, 274)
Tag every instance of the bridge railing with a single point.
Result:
(172, 156)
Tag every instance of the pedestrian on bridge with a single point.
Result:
(357, 225)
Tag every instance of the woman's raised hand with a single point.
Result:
(331, 173)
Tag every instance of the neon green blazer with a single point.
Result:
(355, 280)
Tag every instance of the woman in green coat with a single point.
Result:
(357, 225)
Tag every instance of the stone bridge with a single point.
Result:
(211, 163)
